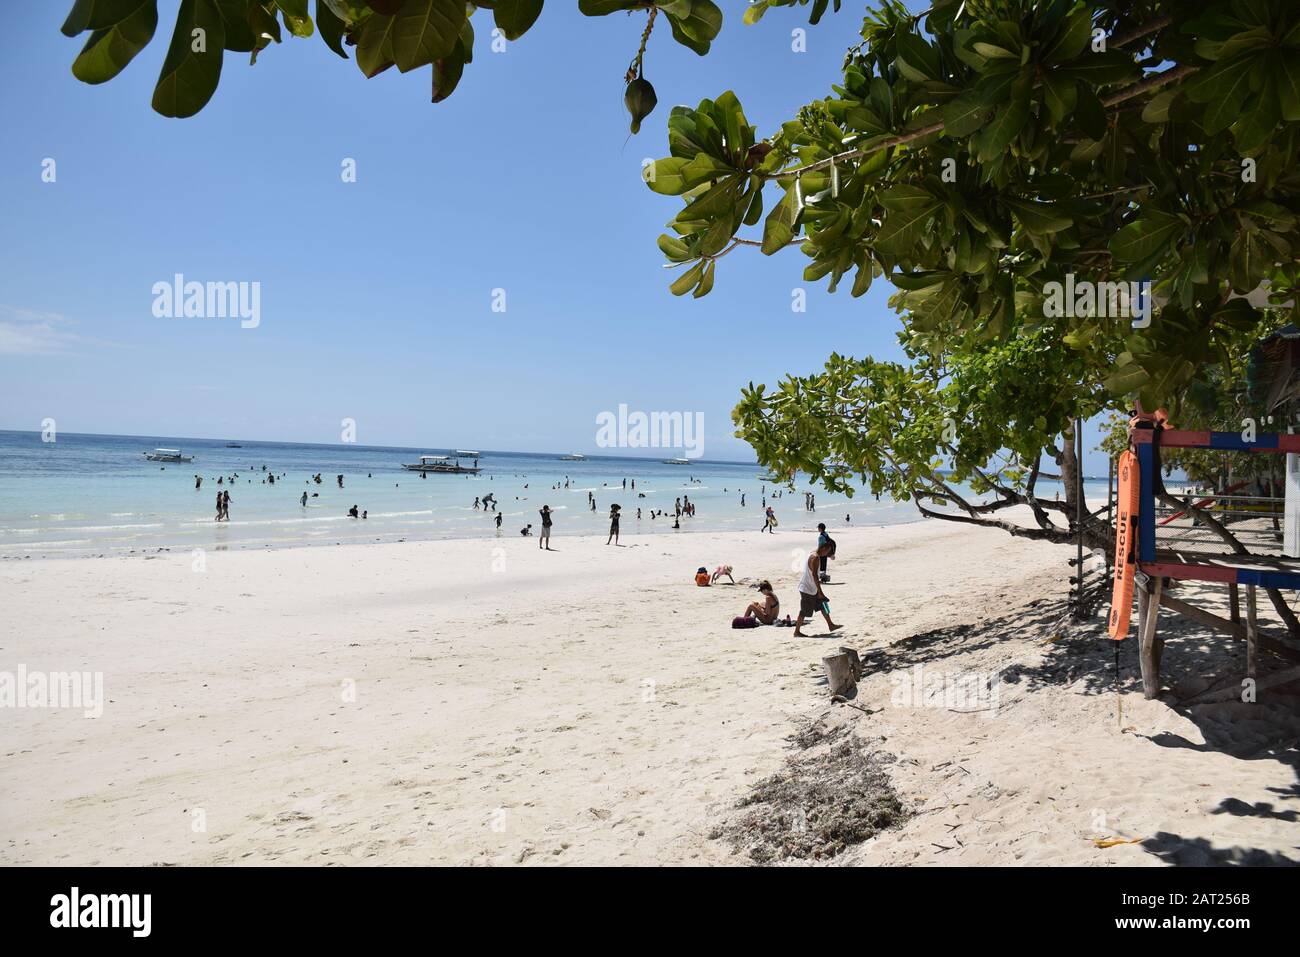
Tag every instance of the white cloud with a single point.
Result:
(25, 332)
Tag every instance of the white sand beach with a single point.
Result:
(481, 702)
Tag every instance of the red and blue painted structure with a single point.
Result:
(1231, 569)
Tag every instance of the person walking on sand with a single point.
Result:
(769, 520)
(544, 540)
(613, 525)
(498, 521)
(811, 597)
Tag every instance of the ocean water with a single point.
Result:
(98, 495)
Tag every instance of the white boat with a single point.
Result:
(440, 463)
(677, 461)
(167, 455)
(467, 454)
(573, 457)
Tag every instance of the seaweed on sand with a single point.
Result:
(817, 806)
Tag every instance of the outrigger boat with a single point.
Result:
(677, 461)
(467, 454)
(441, 463)
(573, 457)
(167, 455)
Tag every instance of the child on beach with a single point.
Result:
(811, 597)
(719, 572)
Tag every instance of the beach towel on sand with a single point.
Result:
(742, 621)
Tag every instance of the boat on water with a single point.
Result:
(233, 445)
(465, 453)
(573, 457)
(167, 455)
(677, 461)
(441, 464)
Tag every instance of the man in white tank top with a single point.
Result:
(811, 597)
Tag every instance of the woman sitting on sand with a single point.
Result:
(770, 607)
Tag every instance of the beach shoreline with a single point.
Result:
(484, 702)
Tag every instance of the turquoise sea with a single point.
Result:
(98, 495)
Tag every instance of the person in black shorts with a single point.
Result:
(544, 540)
(613, 525)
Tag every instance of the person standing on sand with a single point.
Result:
(544, 540)
(498, 521)
(225, 505)
(811, 597)
(613, 525)
(218, 518)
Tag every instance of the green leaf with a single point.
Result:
(1059, 95)
(375, 48)
(239, 32)
(296, 17)
(1229, 94)
(688, 280)
(1037, 217)
(1287, 78)
(706, 281)
(1008, 121)
(1089, 114)
(108, 51)
(1072, 39)
(916, 59)
(1126, 379)
(263, 26)
(1146, 236)
(331, 28)
(189, 77)
(964, 114)
(698, 29)
(99, 15)
(1103, 68)
(902, 227)
(515, 17)
(779, 227)
(426, 30)
(1157, 110)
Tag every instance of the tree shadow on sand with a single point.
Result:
(1080, 656)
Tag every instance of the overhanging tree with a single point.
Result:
(971, 156)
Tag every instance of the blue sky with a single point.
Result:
(376, 295)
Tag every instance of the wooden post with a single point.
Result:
(1252, 632)
(839, 674)
(854, 661)
(1234, 601)
(1149, 653)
